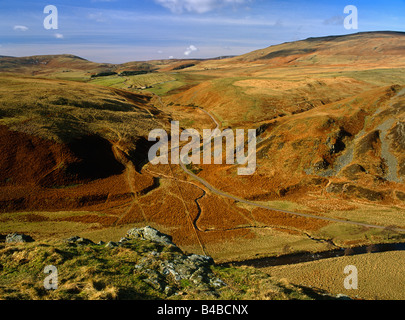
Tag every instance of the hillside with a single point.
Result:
(351, 148)
(56, 135)
(360, 48)
(143, 265)
(297, 76)
(54, 66)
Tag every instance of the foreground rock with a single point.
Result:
(151, 234)
(192, 271)
(79, 240)
(166, 268)
(145, 264)
(18, 238)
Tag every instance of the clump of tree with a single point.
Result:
(104, 74)
(133, 73)
(184, 66)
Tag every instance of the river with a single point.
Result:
(300, 257)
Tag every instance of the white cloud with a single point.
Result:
(197, 6)
(335, 21)
(20, 28)
(59, 36)
(189, 50)
(98, 17)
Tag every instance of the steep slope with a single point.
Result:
(66, 145)
(353, 149)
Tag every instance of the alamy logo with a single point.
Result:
(351, 281)
(191, 152)
(51, 281)
(351, 21)
(51, 20)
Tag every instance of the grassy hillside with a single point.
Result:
(132, 269)
(60, 111)
(58, 136)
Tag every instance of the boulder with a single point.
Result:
(18, 238)
(79, 240)
(151, 234)
(193, 267)
(111, 244)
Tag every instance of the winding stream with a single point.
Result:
(296, 258)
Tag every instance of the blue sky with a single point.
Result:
(118, 31)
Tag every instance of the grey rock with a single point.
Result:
(151, 234)
(199, 259)
(123, 239)
(154, 283)
(79, 240)
(195, 268)
(111, 244)
(216, 282)
(154, 254)
(18, 238)
(139, 266)
(72, 239)
(154, 279)
(162, 269)
(169, 291)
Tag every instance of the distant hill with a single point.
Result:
(359, 47)
(71, 67)
(62, 66)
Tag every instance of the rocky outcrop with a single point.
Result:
(356, 191)
(79, 240)
(18, 238)
(151, 234)
(166, 273)
(131, 269)
(184, 270)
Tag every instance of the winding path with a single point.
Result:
(255, 204)
(263, 206)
